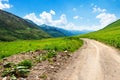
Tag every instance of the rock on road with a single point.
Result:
(94, 61)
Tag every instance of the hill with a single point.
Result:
(13, 27)
(54, 31)
(77, 32)
(59, 32)
(109, 35)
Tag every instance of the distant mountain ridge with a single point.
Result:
(55, 31)
(13, 27)
(59, 32)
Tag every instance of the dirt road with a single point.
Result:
(95, 61)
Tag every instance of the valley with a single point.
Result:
(31, 51)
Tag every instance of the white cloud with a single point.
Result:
(106, 18)
(33, 18)
(4, 4)
(52, 12)
(97, 9)
(46, 18)
(75, 17)
(62, 22)
(72, 26)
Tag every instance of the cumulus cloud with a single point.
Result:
(33, 18)
(52, 12)
(4, 4)
(97, 9)
(46, 18)
(75, 17)
(106, 18)
(62, 22)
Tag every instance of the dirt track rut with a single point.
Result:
(94, 61)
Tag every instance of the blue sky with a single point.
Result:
(67, 14)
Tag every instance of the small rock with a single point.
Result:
(5, 78)
(52, 67)
(4, 59)
(37, 77)
(58, 63)
(65, 51)
(58, 56)
(22, 79)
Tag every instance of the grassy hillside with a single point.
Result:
(59, 44)
(59, 32)
(13, 27)
(110, 34)
(53, 31)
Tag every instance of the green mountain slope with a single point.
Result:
(110, 34)
(53, 31)
(13, 27)
(59, 32)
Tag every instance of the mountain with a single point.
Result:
(54, 31)
(109, 35)
(13, 27)
(59, 32)
(77, 32)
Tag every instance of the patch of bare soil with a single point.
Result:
(46, 69)
(18, 58)
(41, 70)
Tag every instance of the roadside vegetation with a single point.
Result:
(109, 35)
(17, 70)
(58, 44)
(56, 50)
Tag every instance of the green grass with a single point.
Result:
(58, 44)
(17, 70)
(109, 35)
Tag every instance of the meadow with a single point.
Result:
(109, 35)
(21, 46)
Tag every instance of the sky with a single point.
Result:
(67, 14)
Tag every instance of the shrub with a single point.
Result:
(8, 72)
(17, 70)
(26, 63)
(51, 54)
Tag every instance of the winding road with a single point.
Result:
(94, 61)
